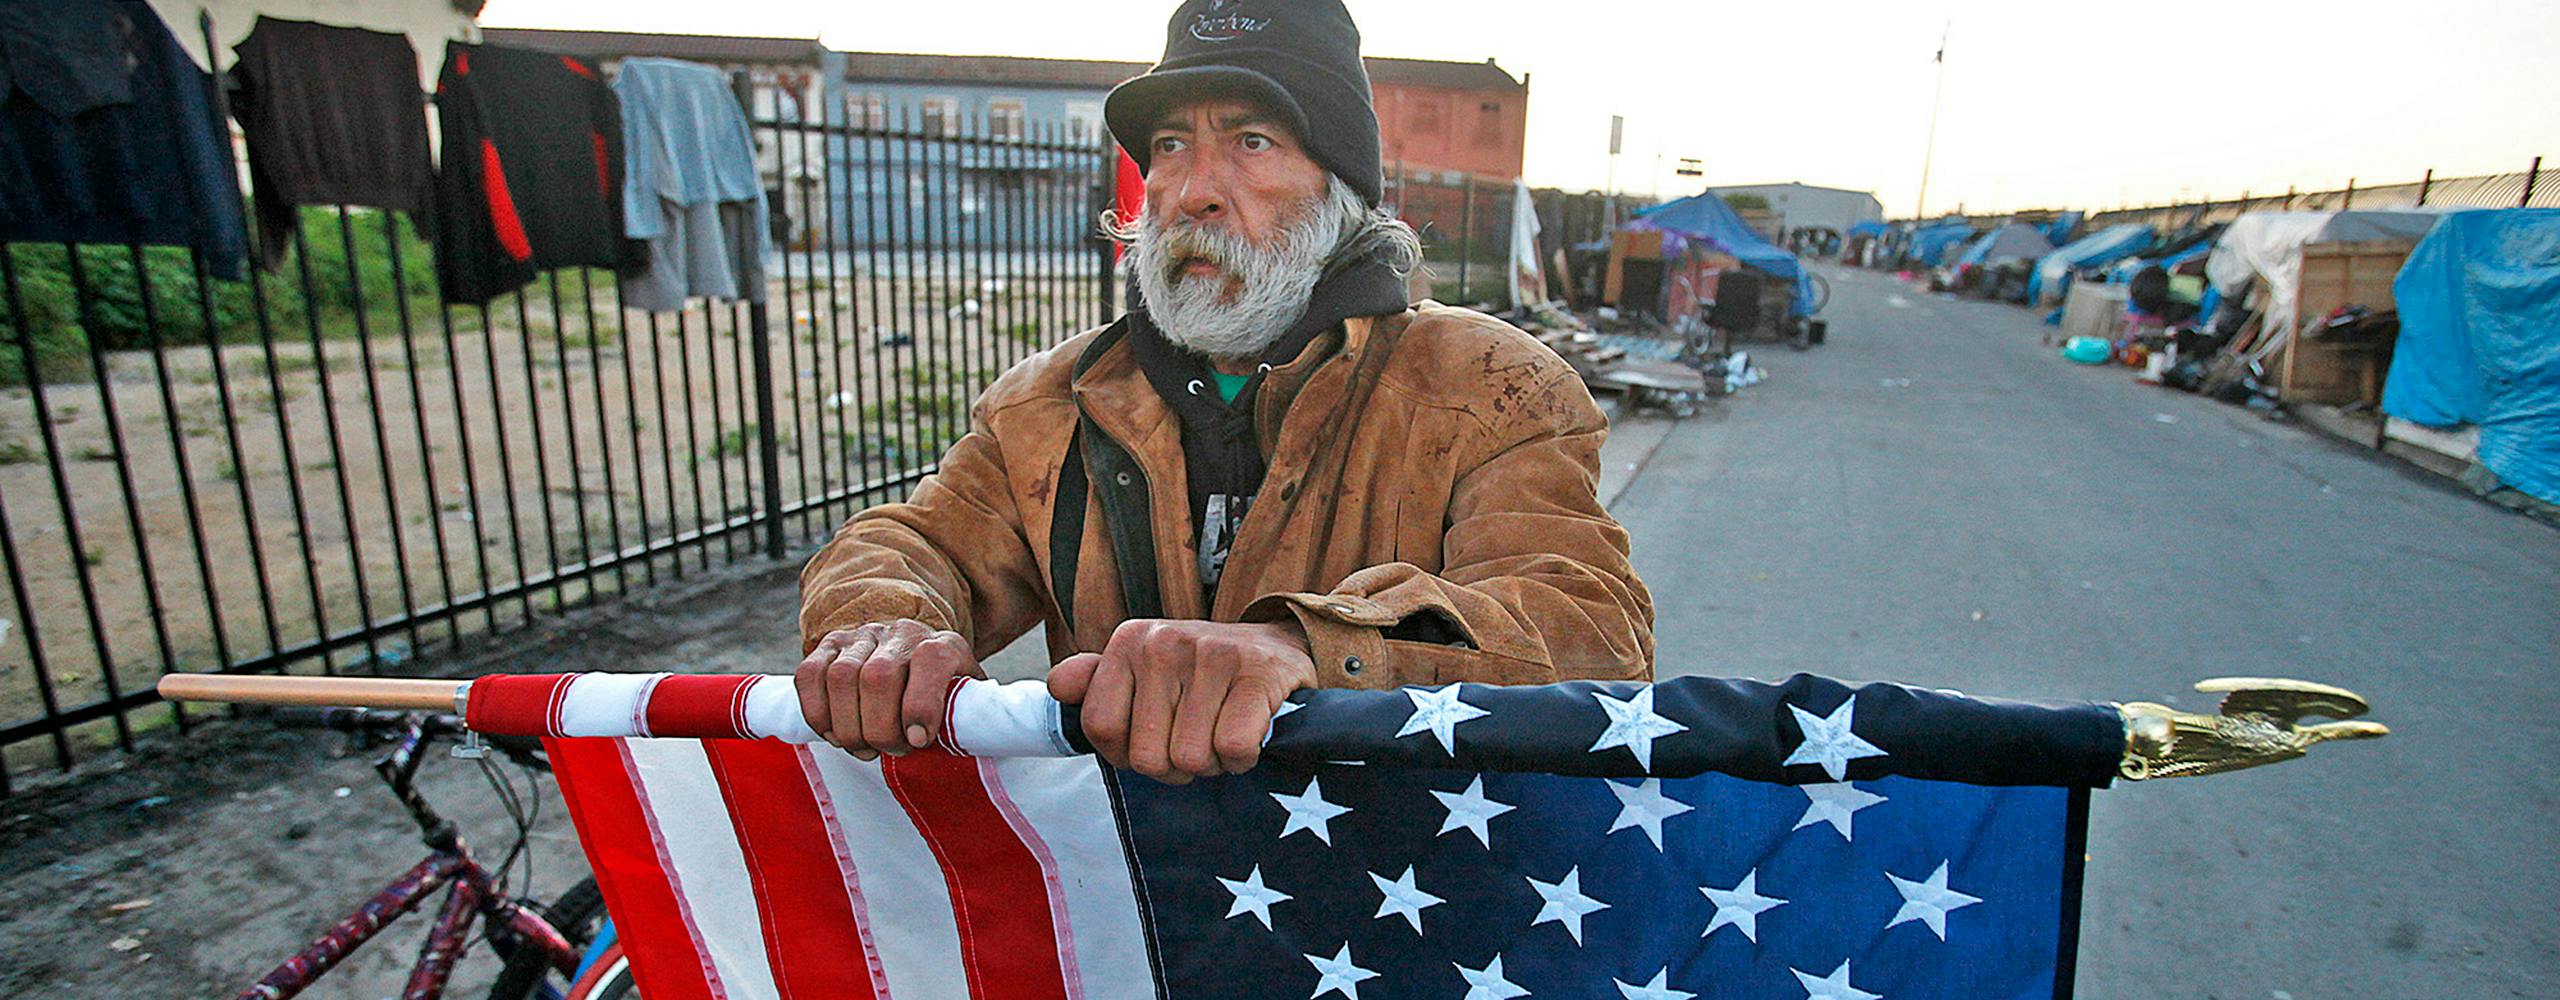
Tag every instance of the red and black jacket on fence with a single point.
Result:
(532, 169)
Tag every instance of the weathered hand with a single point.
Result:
(1174, 700)
(2261, 723)
(879, 688)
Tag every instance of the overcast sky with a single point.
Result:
(2047, 104)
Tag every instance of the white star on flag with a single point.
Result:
(1832, 987)
(1404, 899)
(1338, 975)
(1654, 990)
(1835, 804)
(1928, 902)
(1828, 741)
(1310, 812)
(1633, 725)
(1643, 805)
(1253, 897)
(1471, 811)
(1285, 708)
(1438, 712)
(1565, 903)
(1488, 984)
(1740, 907)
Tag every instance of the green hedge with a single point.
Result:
(114, 300)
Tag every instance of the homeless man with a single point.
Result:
(1271, 474)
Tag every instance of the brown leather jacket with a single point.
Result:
(1436, 458)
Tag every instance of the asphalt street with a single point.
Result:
(1933, 498)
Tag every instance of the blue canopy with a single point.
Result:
(1868, 229)
(1929, 245)
(2480, 339)
(2097, 249)
(1707, 219)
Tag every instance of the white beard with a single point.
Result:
(1194, 311)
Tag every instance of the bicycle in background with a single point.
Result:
(544, 948)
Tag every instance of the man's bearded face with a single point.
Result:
(1215, 291)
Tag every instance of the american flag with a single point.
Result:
(1696, 838)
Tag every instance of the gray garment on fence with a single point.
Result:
(690, 186)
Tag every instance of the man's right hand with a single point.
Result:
(880, 688)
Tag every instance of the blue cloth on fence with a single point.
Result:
(2479, 341)
(690, 187)
(111, 139)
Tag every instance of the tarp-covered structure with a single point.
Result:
(2106, 246)
(2480, 340)
(1870, 227)
(1708, 220)
(1929, 244)
(2267, 246)
(2016, 240)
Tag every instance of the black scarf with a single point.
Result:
(1220, 452)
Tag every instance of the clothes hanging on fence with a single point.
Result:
(692, 192)
(107, 133)
(531, 173)
(334, 117)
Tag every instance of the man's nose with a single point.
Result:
(1203, 196)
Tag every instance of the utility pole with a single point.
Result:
(1617, 131)
(1920, 207)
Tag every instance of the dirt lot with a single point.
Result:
(190, 868)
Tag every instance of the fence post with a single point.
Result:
(1466, 232)
(2350, 200)
(2530, 175)
(2426, 184)
(760, 349)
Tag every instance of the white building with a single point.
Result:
(1804, 206)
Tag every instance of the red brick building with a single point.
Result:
(1445, 116)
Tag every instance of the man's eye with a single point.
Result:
(1168, 144)
(1256, 141)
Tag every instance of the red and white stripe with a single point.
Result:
(982, 718)
(755, 868)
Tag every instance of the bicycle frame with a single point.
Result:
(472, 898)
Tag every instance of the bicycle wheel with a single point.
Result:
(528, 974)
(608, 979)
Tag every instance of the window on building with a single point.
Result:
(1084, 121)
(1425, 120)
(1005, 118)
(869, 111)
(938, 115)
(1489, 130)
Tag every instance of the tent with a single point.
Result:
(2267, 246)
(2098, 249)
(2015, 240)
(2480, 340)
(2196, 243)
(1708, 220)
(1929, 245)
(1870, 228)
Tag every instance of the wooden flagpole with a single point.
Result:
(397, 694)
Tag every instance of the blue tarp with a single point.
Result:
(1707, 219)
(2097, 249)
(2014, 240)
(1868, 229)
(2063, 229)
(1929, 245)
(2480, 339)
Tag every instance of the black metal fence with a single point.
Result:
(327, 469)
(1465, 221)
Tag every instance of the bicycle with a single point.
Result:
(535, 946)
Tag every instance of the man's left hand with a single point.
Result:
(1179, 699)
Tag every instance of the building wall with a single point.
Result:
(1800, 206)
(1441, 129)
(428, 23)
(895, 192)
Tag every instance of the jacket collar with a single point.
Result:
(1116, 394)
